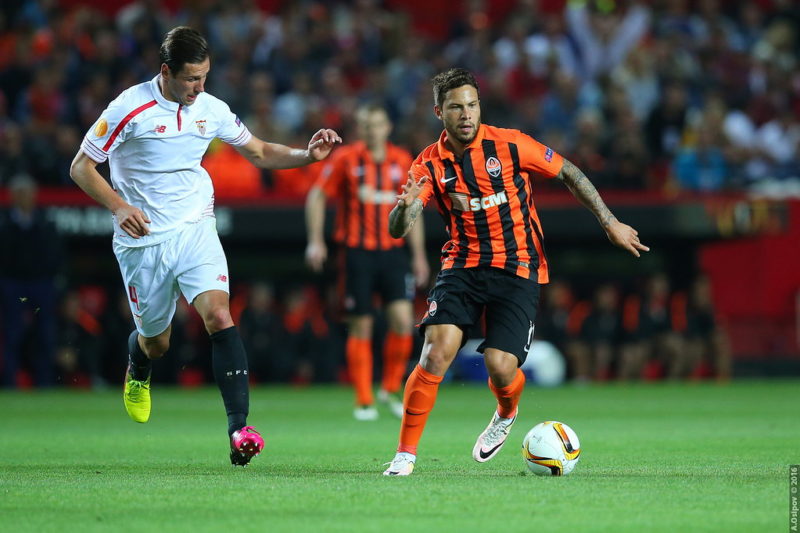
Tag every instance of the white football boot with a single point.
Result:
(493, 437)
(401, 465)
(365, 413)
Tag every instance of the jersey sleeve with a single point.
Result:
(109, 131)
(418, 170)
(231, 128)
(536, 157)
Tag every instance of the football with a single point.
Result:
(551, 449)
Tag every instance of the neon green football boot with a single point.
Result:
(137, 398)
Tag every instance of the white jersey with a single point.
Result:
(154, 148)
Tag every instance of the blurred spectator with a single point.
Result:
(665, 125)
(263, 334)
(307, 354)
(12, 153)
(80, 343)
(559, 322)
(603, 35)
(701, 167)
(779, 142)
(29, 265)
(651, 341)
(707, 349)
(599, 336)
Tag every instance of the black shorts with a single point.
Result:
(462, 294)
(367, 272)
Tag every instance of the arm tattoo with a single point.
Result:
(583, 190)
(401, 219)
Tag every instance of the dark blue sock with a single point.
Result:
(140, 364)
(230, 370)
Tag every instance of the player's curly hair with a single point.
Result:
(182, 45)
(452, 79)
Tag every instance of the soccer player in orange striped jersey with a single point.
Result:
(480, 177)
(364, 178)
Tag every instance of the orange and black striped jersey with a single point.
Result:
(486, 200)
(365, 190)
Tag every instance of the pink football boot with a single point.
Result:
(246, 443)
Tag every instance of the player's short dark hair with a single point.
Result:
(452, 79)
(372, 107)
(182, 45)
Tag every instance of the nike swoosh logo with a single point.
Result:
(484, 455)
(448, 179)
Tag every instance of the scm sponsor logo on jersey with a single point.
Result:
(493, 200)
(369, 195)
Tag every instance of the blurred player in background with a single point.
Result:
(480, 178)
(154, 135)
(29, 265)
(365, 178)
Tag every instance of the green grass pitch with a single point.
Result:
(661, 457)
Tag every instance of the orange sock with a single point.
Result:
(396, 351)
(359, 364)
(418, 400)
(508, 397)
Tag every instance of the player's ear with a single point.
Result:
(165, 72)
(437, 111)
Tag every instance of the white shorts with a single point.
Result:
(191, 262)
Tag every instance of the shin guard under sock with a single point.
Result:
(140, 364)
(230, 370)
(418, 399)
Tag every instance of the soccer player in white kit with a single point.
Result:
(154, 135)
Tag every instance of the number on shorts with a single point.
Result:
(132, 296)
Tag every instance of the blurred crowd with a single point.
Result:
(295, 335)
(700, 95)
(669, 95)
(59, 333)
(650, 331)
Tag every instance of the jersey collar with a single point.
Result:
(446, 153)
(156, 89)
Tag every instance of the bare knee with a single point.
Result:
(502, 367)
(440, 348)
(361, 327)
(400, 317)
(217, 319)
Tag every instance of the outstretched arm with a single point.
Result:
(408, 207)
(618, 233)
(270, 155)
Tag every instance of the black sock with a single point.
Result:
(140, 363)
(230, 370)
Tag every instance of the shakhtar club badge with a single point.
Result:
(201, 126)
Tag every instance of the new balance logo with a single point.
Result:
(222, 277)
(478, 204)
(160, 129)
